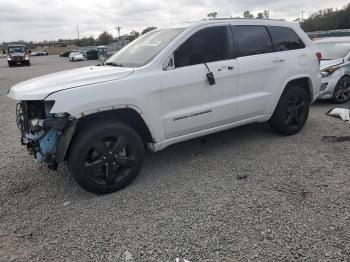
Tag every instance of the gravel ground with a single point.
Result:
(246, 194)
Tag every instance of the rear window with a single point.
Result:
(333, 50)
(251, 40)
(284, 39)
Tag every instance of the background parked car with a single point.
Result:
(42, 53)
(76, 56)
(335, 68)
(66, 53)
(39, 53)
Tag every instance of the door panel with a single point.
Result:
(259, 74)
(258, 82)
(190, 104)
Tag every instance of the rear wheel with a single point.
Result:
(342, 91)
(106, 158)
(291, 112)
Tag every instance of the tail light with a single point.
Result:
(319, 56)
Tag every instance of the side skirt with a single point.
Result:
(154, 147)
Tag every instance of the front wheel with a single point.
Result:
(342, 91)
(105, 158)
(291, 112)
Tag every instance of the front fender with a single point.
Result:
(82, 101)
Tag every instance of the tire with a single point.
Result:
(106, 157)
(291, 112)
(10, 64)
(342, 91)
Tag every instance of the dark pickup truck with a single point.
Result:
(18, 54)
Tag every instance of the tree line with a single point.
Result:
(106, 38)
(328, 19)
(103, 38)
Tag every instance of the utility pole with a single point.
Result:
(118, 28)
(302, 16)
(78, 32)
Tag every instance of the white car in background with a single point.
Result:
(335, 68)
(76, 56)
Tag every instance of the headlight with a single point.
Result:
(9, 58)
(328, 71)
(26, 57)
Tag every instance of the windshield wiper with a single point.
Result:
(114, 64)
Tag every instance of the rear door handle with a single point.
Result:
(278, 60)
(224, 68)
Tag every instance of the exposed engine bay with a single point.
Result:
(41, 131)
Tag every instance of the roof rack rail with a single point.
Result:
(245, 18)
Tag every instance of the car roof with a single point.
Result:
(237, 21)
(333, 39)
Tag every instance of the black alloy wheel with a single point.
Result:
(295, 112)
(106, 157)
(291, 112)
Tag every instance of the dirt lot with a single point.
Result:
(242, 195)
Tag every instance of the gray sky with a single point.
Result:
(53, 19)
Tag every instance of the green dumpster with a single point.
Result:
(92, 55)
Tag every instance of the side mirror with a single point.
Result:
(169, 63)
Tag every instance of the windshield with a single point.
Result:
(17, 49)
(333, 50)
(144, 49)
(75, 53)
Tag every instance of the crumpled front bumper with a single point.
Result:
(45, 137)
(328, 85)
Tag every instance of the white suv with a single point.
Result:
(168, 86)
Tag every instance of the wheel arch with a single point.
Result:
(126, 115)
(303, 81)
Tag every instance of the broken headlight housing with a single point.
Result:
(328, 71)
(40, 130)
(27, 112)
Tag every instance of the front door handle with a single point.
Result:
(278, 60)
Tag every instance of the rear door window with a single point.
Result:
(251, 40)
(207, 45)
(284, 39)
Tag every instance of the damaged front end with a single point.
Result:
(44, 133)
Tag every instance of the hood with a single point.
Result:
(40, 87)
(328, 63)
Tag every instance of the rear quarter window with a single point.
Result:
(284, 38)
(251, 40)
